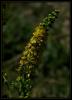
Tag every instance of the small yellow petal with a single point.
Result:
(21, 62)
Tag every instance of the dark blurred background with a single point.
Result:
(18, 22)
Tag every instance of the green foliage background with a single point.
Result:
(53, 72)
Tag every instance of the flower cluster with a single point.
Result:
(30, 57)
(31, 54)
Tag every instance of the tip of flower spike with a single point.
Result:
(47, 21)
(56, 13)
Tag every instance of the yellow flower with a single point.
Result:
(21, 62)
(25, 52)
(39, 31)
(29, 45)
(31, 54)
(33, 40)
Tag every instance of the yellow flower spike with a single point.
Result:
(32, 52)
(30, 56)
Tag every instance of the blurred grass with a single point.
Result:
(18, 22)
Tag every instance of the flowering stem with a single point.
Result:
(32, 52)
